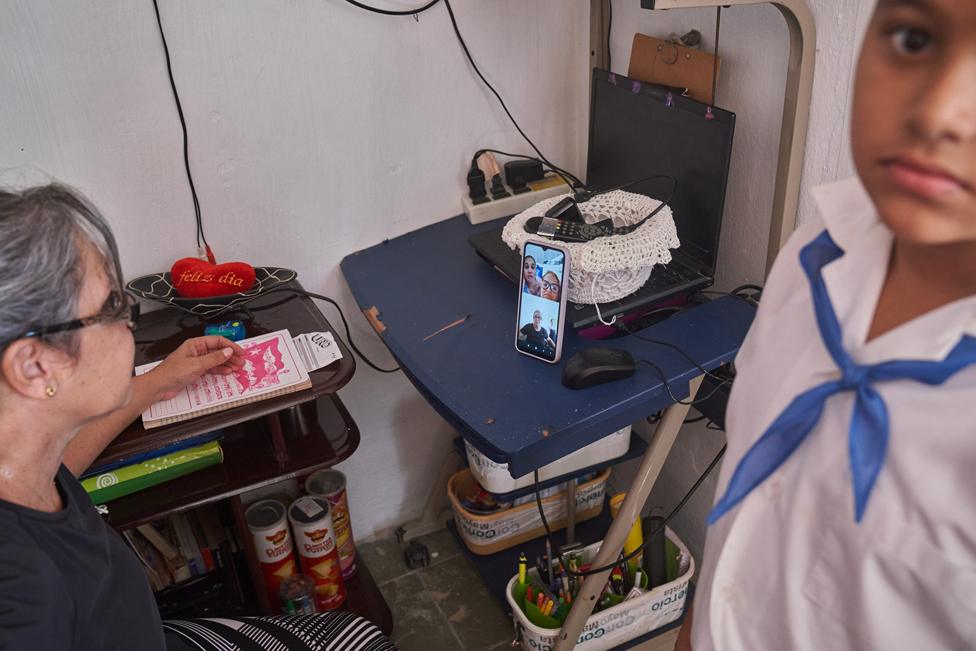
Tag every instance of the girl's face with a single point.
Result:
(914, 118)
(550, 286)
(528, 268)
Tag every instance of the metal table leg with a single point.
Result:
(650, 468)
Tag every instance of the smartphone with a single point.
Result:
(542, 301)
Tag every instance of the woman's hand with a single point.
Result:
(192, 359)
(195, 357)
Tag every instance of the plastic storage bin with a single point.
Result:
(618, 624)
(495, 478)
(487, 534)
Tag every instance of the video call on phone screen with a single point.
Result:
(541, 288)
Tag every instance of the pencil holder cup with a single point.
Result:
(617, 624)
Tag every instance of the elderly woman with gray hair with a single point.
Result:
(67, 580)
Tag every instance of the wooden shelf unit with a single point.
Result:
(250, 461)
(264, 442)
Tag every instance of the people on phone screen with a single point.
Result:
(535, 334)
(550, 286)
(532, 284)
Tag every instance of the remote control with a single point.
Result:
(567, 231)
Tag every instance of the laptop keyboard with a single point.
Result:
(670, 275)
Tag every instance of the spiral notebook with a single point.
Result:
(272, 367)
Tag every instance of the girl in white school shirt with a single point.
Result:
(845, 515)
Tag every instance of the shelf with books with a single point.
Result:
(200, 564)
(194, 562)
(263, 442)
(319, 434)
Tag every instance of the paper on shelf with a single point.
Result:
(272, 366)
(317, 349)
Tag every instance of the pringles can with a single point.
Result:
(272, 544)
(331, 485)
(311, 522)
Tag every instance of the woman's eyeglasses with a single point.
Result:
(550, 287)
(119, 306)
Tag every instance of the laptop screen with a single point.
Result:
(638, 129)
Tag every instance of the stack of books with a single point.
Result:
(183, 546)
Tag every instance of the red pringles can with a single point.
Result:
(268, 522)
(311, 521)
(331, 485)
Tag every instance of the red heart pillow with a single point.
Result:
(195, 278)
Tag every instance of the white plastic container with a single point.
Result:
(487, 534)
(618, 624)
(495, 478)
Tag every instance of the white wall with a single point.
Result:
(316, 129)
(754, 46)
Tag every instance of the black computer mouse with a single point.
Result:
(592, 366)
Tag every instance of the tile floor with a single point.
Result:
(442, 607)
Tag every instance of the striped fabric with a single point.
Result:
(334, 631)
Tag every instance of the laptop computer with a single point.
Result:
(636, 130)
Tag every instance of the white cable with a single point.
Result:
(597, 306)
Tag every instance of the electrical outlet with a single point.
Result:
(551, 186)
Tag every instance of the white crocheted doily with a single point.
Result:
(608, 268)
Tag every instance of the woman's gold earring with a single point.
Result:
(50, 391)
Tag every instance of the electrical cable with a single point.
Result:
(394, 12)
(609, 32)
(345, 324)
(186, 154)
(596, 306)
(654, 419)
(589, 194)
(738, 293)
(648, 538)
(467, 53)
(667, 386)
(741, 288)
(566, 176)
(623, 327)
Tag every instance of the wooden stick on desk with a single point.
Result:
(640, 488)
(447, 327)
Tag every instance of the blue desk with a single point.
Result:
(511, 407)
(448, 318)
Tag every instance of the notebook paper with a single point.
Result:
(271, 368)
